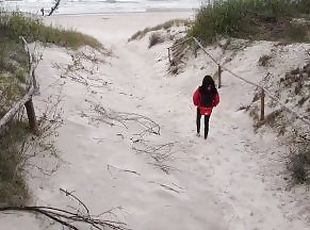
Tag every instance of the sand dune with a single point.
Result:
(193, 184)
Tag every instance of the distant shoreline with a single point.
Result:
(149, 10)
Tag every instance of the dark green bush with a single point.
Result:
(241, 18)
(13, 189)
(302, 6)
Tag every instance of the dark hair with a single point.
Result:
(206, 82)
(208, 90)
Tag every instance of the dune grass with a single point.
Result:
(14, 25)
(166, 25)
(252, 19)
(13, 58)
(13, 189)
(14, 68)
(13, 71)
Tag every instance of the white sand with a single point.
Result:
(216, 184)
(115, 28)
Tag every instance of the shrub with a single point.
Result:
(264, 60)
(241, 18)
(13, 190)
(13, 69)
(302, 6)
(296, 33)
(299, 161)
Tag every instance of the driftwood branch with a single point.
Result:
(72, 219)
(55, 7)
(31, 79)
(75, 198)
(28, 95)
(15, 108)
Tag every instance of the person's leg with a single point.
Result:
(198, 120)
(207, 119)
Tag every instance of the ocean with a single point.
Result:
(101, 6)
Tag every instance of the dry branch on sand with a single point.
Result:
(84, 67)
(43, 146)
(110, 117)
(72, 219)
(161, 154)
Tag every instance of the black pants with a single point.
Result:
(207, 118)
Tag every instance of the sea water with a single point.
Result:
(101, 6)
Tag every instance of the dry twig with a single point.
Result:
(161, 154)
(71, 219)
(54, 7)
(84, 67)
(110, 117)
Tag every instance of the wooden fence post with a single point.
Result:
(169, 57)
(31, 116)
(34, 82)
(220, 76)
(262, 105)
(195, 50)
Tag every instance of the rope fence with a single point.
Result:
(264, 92)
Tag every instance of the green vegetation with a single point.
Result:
(13, 58)
(15, 25)
(166, 25)
(299, 160)
(293, 88)
(302, 6)
(253, 19)
(13, 69)
(13, 190)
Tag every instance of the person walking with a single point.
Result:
(206, 97)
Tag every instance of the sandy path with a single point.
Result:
(221, 177)
(212, 185)
(135, 73)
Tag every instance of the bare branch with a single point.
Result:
(55, 7)
(161, 154)
(100, 114)
(71, 219)
(75, 198)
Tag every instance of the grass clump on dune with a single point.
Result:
(14, 25)
(13, 189)
(14, 70)
(166, 25)
(252, 19)
(13, 57)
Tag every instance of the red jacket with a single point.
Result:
(205, 110)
